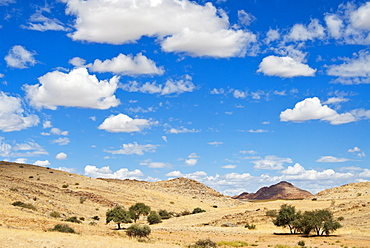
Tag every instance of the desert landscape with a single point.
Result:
(223, 221)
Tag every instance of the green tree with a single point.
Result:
(139, 209)
(118, 215)
(319, 221)
(154, 218)
(288, 217)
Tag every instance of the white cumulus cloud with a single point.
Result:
(12, 115)
(312, 109)
(61, 156)
(122, 123)
(271, 163)
(19, 57)
(134, 148)
(180, 26)
(126, 65)
(75, 89)
(106, 172)
(42, 163)
(285, 67)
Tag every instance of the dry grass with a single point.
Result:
(43, 188)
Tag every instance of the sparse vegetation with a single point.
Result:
(95, 218)
(82, 199)
(138, 231)
(64, 186)
(55, 214)
(271, 213)
(198, 210)
(154, 218)
(233, 243)
(62, 228)
(73, 219)
(164, 214)
(250, 226)
(118, 215)
(301, 243)
(204, 243)
(23, 205)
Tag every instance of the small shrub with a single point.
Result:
(184, 213)
(96, 217)
(341, 218)
(314, 199)
(138, 231)
(64, 186)
(198, 210)
(14, 189)
(154, 218)
(73, 219)
(30, 177)
(171, 202)
(82, 218)
(271, 213)
(250, 226)
(62, 228)
(204, 243)
(55, 214)
(214, 206)
(92, 223)
(301, 243)
(233, 243)
(82, 199)
(23, 205)
(164, 214)
(21, 166)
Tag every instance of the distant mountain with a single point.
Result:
(282, 190)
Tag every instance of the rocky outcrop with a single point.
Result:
(282, 190)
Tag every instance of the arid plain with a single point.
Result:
(50, 190)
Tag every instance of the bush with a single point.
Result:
(250, 226)
(23, 205)
(82, 199)
(184, 213)
(55, 214)
(96, 217)
(204, 243)
(198, 210)
(164, 214)
(73, 219)
(154, 218)
(301, 243)
(64, 186)
(233, 243)
(271, 213)
(138, 231)
(62, 228)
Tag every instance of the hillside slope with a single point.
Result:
(281, 190)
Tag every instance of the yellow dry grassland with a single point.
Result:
(223, 222)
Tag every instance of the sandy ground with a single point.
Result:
(43, 188)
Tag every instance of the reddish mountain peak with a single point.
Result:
(281, 190)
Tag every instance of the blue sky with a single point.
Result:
(234, 94)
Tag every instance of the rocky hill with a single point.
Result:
(282, 190)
